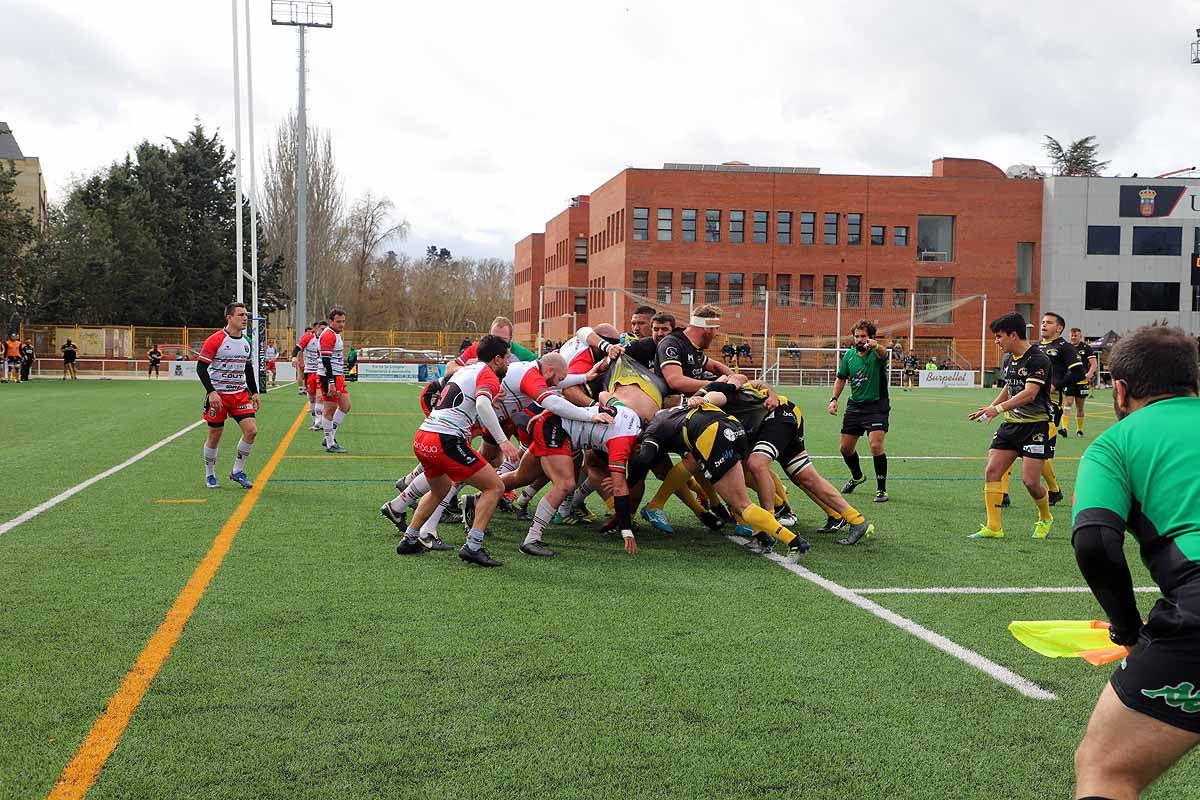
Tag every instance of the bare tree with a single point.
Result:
(326, 224)
(367, 231)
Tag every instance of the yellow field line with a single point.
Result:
(181, 501)
(341, 457)
(79, 775)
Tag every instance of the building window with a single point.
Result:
(687, 288)
(935, 238)
(758, 289)
(712, 225)
(1026, 312)
(875, 298)
(665, 281)
(687, 225)
(1157, 242)
(831, 227)
(935, 300)
(1104, 240)
(641, 224)
(581, 250)
(783, 227)
(783, 290)
(737, 226)
(581, 304)
(854, 229)
(1100, 296)
(829, 295)
(1154, 295)
(899, 298)
(666, 220)
(878, 235)
(900, 236)
(853, 291)
(736, 288)
(808, 227)
(760, 227)
(641, 282)
(1024, 267)
(712, 287)
(806, 291)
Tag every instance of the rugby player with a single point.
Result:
(154, 356)
(639, 324)
(1024, 402)
(271, 357)
(911, 366)
(865, 367)
(226, 369)
(333, 379)
(307, 359)
(502, 327)
(681, 359)
(1077, 393)
(442, 445)
(1137, 479)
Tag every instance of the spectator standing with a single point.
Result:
(12, 359)
(154, 356)
(69, 353)
(26, 358)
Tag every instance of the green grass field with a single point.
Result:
(320, 665)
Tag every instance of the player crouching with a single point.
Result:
(442, 445)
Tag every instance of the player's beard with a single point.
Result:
(1120, 412)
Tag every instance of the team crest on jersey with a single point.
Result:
(1039, 437)
(1022, 372)
(1052, 352)
(729, 434)
(672, 352)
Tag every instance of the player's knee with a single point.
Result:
(1033, 485)
(568, 486)
(249, 433)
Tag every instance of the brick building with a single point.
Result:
(31, 184)
(799, 251)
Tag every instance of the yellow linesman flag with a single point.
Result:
(1069, 638)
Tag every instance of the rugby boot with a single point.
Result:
(536, 548)
(1004, 501)
(409, 547)
(711, 521)
(657, 519)
(832, 525)
(400, 520)
(853, 483)
(784, 515)
(479, 557)
(210, 482)
(881, 497)
(796, 548)
(1056, 498)
(1041, 528)
(434, 542)
(862, 530)
(760, 543)
(985, 532)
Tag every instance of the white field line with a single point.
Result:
(969, 657)
(76, 489)
(937, 458)
(991, 590)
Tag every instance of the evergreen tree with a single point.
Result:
(1080, 158)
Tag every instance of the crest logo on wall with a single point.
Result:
(1146, 202)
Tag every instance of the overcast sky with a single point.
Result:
(481, 120)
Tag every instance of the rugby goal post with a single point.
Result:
(814, 366)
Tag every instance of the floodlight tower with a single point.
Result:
(301, 14)
(1196, 48)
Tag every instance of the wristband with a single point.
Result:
(626, 534)
(833, 399)
(999, 408)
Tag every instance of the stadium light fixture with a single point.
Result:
(301, 14)
(1196, 48)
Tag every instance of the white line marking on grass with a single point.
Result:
(989, 590)
(969, 657)
(74, 490)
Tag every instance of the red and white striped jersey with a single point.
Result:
(617, 438)
(226, 357)
(455, 412)
(331, 345)
(310, 348)
(523, 385)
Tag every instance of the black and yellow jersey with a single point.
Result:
(1033, 367)
(746, 403)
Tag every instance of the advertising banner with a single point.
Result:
(181, 370)
(1152, 201)
(390, 373)
(947, 378)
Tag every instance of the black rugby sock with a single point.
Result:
(855, 467)
(880, 471)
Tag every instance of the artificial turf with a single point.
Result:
(319, 664)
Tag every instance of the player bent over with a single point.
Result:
(333, 380)
(442, 446)
(1134, 478)
(1024, 401)
(226, 369)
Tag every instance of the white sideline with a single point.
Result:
(990, 590)
(969, 657)
(74, 490)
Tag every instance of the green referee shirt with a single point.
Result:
(866, 373)
(1140, 476)
(522, 353)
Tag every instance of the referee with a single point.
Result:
(1134, 478)
(865, 367)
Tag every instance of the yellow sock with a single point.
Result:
(608, 501)
(677, 477)
(761, 520)
(696, 488)
(851, 515)
(829, 512)
(1004, 484)
(1048, 474)
(689, 500)
(1079, 422)
(993, 494)
(1043, 505)
(781, 496)
(714, 499)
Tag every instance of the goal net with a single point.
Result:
(815, 366)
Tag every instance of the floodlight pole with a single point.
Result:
(253, 192)
(237, 154)
(983, 345)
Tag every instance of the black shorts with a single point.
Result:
(720, 451)
(863, 418)
(781, 435)
(1029, 439)
(1080, 390)
(910, 373)
(1159, 676)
